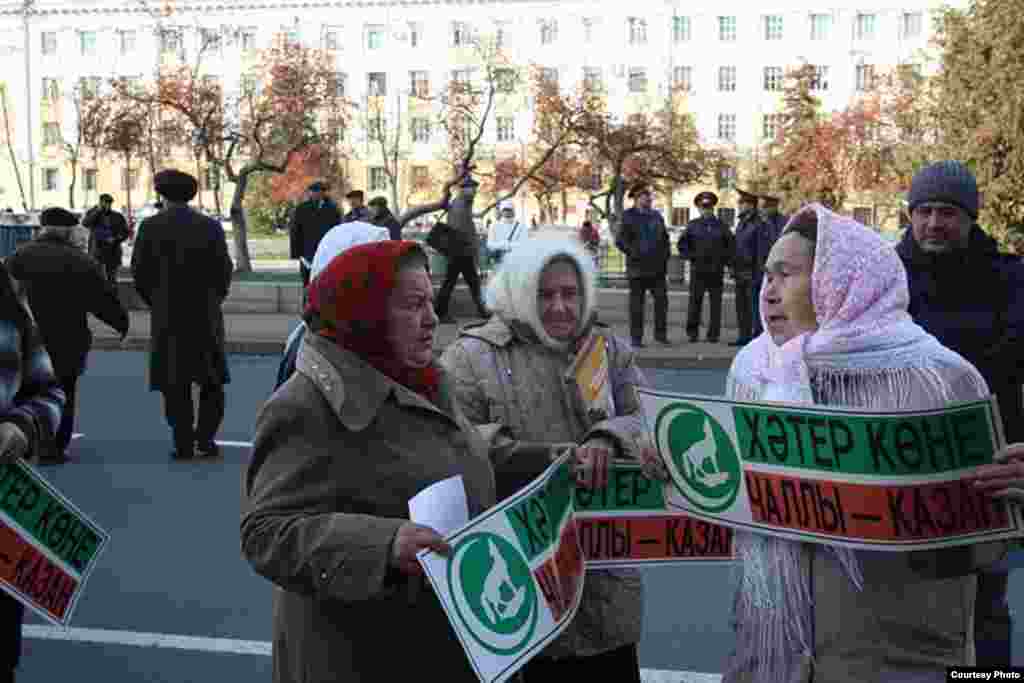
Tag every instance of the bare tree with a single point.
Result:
(9, 140)
(91, 111)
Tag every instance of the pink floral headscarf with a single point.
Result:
(860, 296)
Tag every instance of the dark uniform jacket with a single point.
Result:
(767, 236)
(708, 244)
(644, 240)
(63, 284)
(747, 233)
(310, 222)
(183, 272)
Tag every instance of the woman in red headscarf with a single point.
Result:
(365, 423)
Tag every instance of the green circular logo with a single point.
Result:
(704, 465)
(493, 591)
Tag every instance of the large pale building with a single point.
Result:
(730, 55)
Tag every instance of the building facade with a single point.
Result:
(730, 56)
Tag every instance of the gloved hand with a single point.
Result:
(13, 443)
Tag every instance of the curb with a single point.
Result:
(263, 347)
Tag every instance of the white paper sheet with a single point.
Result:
(441, 506)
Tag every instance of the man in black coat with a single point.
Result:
(63, 285)
(107, 230)
(772, 223)
(183, 272)
(971, 298)
(747, 232)
(709, 246)
(357, 210)
(463, 257)
(310, 222)
(644, 240)
(381, 216)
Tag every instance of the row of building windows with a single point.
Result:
(129, 179)
(773, 28)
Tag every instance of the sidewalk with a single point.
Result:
(265, 333)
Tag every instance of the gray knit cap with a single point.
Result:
(945, 181)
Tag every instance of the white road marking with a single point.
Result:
(235, 444)
(234, 646)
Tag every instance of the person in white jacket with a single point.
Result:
(504, 233)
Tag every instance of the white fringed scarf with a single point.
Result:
(866, 353)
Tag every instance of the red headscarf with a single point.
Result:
(350, 298)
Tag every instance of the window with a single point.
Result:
(128, 42)
(864, 215)
(462, 77)
(340, 83)
(549, 76)
(506, 129)
(374, 37)
(637, 31)
(419, 83)
(51, 89)
(87, 40)
(773, 27)
(290, 36)
(89, 86)
(415, 34)
(727, 127)
(588, 30)
(377, 83)
(548, 31)
(460, 33)
(248, 39)
(420, 176)
(89, 179)
(49, 42)
(51, 179)
(51, 134)
(727, 216)
(378, 180)
(505, 80)
(864, 27)
(681, 30)
(420, 129)
(377, 128)
(727, 29)
(821, 26)
(865, 77)
(680, 215)
(682, 78)
(331, 38)
(593, 78)
(209, 39)
(771, 125)
(727, 79)
(128, 179)
(247, 85)
(820, 80)
(638, 79)
(773, 78)
(910, 25)
(170, 40)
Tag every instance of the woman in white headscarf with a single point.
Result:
(837, 333)
(510, 378)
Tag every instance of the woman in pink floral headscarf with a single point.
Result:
(837, 332)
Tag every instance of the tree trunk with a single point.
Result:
(617, 197)
(74, 181)
(565, 206)
(199, 177)
(217, 202)
(128, 186)
(10, 148)
(238, 224)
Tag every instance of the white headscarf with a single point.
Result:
(342, 237)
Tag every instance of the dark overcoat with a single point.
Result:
(183, 272)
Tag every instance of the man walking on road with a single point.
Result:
(644, 240)
(709, 246)
(107, 230)
(772, 223)
(310, 222)
(971, 298)
(63, 285)
(747, 231)
(463, 253)
(183, 272)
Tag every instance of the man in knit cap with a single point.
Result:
(182, 271)
(970, 297)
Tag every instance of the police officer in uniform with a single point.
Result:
(709, 246)
(743, 267)
(772, 222)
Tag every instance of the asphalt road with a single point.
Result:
(173, 565)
